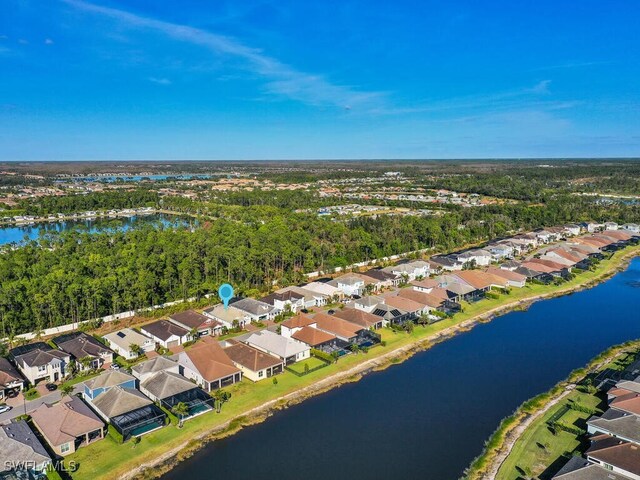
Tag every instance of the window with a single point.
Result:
(260, 373)
(64, 448)
(42, 368)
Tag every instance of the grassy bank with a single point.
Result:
(252, 402)
(524, 446)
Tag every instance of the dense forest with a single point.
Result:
(111, 200)
(76, 275)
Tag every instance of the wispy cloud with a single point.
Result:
(281, 79)
(48, 41)
(570, 65)
(160, 81)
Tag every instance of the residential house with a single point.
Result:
(295, 323)
(197, 322)
(500, 251)
(346, 332)
(383, 278)
(20, 445)
(631, 227)
(349, 284)
(255, 364)
(129, 412)
(38, 361)
(360, 317)
(286, 301)
(166, 334)
(549, 266)
(287, 349)
(310, 298)
(539, 273)
(331, 292)
(446, 262)
(229, 316)
(105, 382)
(149, 368)
(474, 257)
(424, 285)
(413, 308)
(479, 280)
(168, 389)
(10, 379)
(611, 226)
(209, 366)
(430, 301)
(513, 279)
(315, 338)
(255, 310)
(68, 425)
(572, 230)
(87, 352)
(127, 341)
(368, 303)
(616, 456)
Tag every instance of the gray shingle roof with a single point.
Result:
(20, 444)
(166, 384)
(119, 401)
(156, 364)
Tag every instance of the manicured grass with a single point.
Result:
(31, 394)
(107, 460)
(538, 447)
(79, 379)
(312, 362)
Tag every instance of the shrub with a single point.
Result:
(115, 435)
(322, 355)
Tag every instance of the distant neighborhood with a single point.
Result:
(141, 378)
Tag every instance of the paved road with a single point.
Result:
(19, 408)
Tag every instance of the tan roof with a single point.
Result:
(403, 303)
(629, 403)
(337, 326)
(191, 319)
(299, 320)
(118, 401)
(427, 299)
(549, 263)
(66, 420)
(425, 283)
(539, 267)
(250, 357)
(479, 279)
(507, 274)
(312, 336)
(109, 379)
(166, 384)
(624, 455)
(359, 317)
(211, 361)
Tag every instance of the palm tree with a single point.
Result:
(66, 390)
(137, 349)
(221, 397)
(181, 410)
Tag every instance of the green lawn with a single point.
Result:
(107, 460)
(538, 448)
(31, 394)
(312, 362)
(79, 379)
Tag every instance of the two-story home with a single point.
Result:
(166, 334)
(10, 379)
(38, 361)
(87, 352)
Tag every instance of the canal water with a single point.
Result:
(428, 417)
(19, 233)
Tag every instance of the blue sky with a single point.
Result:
(106, 79)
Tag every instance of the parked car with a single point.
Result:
(52, 387)
(4, 408)
(115, 366)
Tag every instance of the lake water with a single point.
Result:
(18, 233)
(428, 417)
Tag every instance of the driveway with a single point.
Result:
(19, 405)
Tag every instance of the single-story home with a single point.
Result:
(255, 310)
(124, 341)
(194, 321)
(513, 279)
(332, 293)
(148, 368)
(20, 445)
(255, 364)
(166, 334)
(360, 317)
(68, 425)
(106, 381)
(169, 389)
(287, 349)
(228, 316)
(342, 329)
(209, 366)
(88, 352)
(315, 338)
(10, 378)
(480, 280)
(286, 301)
(38, 361)
(383, 278)
(310, 298)
(424, 285)
(129, 412)
(413, 308)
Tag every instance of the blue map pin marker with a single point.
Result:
(225, 292)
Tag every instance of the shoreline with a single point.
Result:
(508, 434)
(169, 459)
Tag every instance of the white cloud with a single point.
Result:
(281, 79)
(48, 41)
(160, 81)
